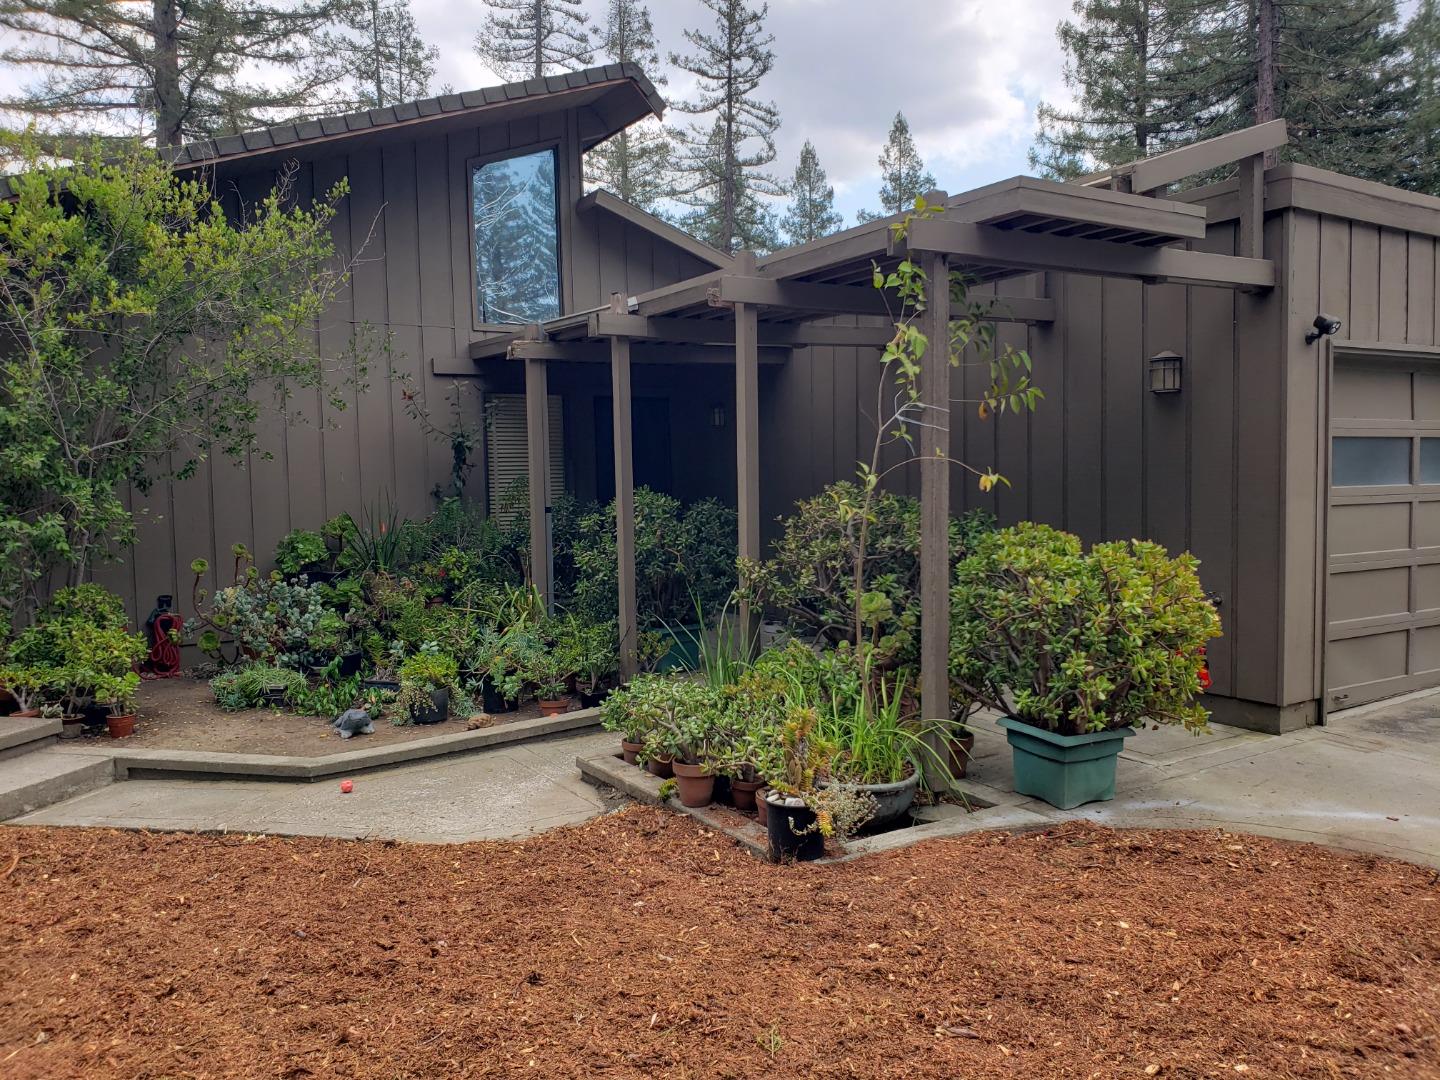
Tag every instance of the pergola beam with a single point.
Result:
(598, 352)
(1161, 170)
(989, 246)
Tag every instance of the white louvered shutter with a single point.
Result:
(507, 449)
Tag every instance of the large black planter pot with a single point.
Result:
(593, 700)
(793, 833)
(491, 699)
(380, 684)
(438, 711)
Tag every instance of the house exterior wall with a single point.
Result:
(406, 221)
(1101, 456)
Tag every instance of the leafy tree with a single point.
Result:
(385, 57)
(144, 332)
(1423, 33)
(903, 175)
(812, 201)
(634, 163)
(524, 39)
(720, 164)
(177, 69)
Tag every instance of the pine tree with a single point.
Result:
(635, 163)
(812, 202)
(720, 164)
(384, 55)
(1423, 135)
(171, 70)
(1154, 74)
(528, 39)
(1141, 85)
(903, 175)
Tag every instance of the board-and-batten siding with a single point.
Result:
(1101, 456)
(406, 224)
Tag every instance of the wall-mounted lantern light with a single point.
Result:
(1165, 372)
(717, 416)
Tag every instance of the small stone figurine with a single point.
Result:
(353, 722)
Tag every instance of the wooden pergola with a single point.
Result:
(756, 310)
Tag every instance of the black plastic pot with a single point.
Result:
(492, 700)
(593, 700)
(439, 709)
(793, 833)
(380, 684)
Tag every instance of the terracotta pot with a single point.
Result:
(25, 714)
(554, 706)
(629, 751)
(121, 727)
(743, 792)
(661, 767)
(762, 811)
(695, 784)
(958, 750)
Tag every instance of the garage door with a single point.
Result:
(1383, 603)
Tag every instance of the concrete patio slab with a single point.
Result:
(502, 793)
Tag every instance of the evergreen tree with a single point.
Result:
(385, 57)
(170, 69)
(903, 175)
(1423, 136)
(720, 165)
(1138, 86)
(812, 202)
(634, 163)
(1153, 74)
(528, 39)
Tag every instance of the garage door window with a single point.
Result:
(1430, 461)
(1358, 461)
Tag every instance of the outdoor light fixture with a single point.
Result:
(1165, 372)
(1325, 326)
(717, 416)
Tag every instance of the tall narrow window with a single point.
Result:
(515, 217)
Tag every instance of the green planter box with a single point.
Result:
(1064, 770)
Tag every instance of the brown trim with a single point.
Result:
(935, 433)
(1304, 187)
(601, 199)
(1160, 170)
(989, 246)
(537, 437)
(624, 502)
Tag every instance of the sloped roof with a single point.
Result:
(625, 88)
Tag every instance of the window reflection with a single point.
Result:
(517, 269)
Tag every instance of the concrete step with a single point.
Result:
(48, 776)
(19, 734)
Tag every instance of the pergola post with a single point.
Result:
(624, 500)
(935, 494)
(1250, 243)
(537, 435)
(747, 449)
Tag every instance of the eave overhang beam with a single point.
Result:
(985, 245)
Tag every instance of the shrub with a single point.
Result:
(89, 603)
(1077, 642)
(684, 559)
(810, 580)
(300, 550)
(274, 620)
(253, 686)
(672, 717)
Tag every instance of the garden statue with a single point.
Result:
(353, 722)
(163, 630)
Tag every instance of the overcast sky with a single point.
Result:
(968, 81)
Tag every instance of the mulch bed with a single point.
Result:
(642, 945)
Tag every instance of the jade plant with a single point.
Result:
(1075, 641)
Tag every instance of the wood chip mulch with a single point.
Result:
(641, 945)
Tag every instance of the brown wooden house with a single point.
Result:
(1187, 399)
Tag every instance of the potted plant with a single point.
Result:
(549, 671)
(801, 813)
(118, 693)
(1078, 650)
(302, 551)
(26, 684)
(686, 730)
(256, 686)
(617, 714)
(426, 680)
(502, 662)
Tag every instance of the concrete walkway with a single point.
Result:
(509, 792)
(1369, 780)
